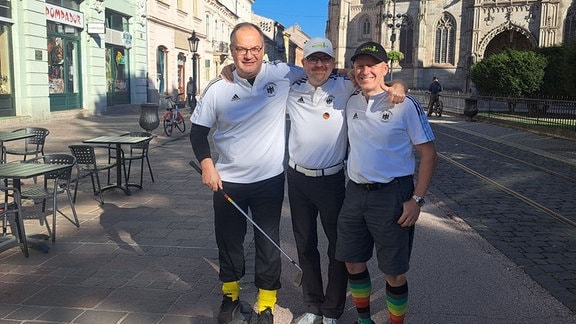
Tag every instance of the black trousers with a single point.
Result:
(310, 197)
(263, 200)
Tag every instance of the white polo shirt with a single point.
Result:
(249, 122)
(318, 138)
(382, 136)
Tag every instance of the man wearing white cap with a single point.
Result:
(317, 147)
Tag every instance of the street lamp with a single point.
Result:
(394, 21)
(193, 41)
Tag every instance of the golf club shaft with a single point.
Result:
(230, 200)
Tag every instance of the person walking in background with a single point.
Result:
(249, 119)
(382, 204)
(435, 88)
(317, 145)
(191, 93)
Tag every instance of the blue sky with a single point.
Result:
(311, 15)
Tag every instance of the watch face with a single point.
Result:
(419, 200)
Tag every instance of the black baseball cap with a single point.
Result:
(373, 49)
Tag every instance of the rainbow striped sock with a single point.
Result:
(397, 302)
(360, 289)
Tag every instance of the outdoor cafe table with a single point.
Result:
(118, 141)
(17, 171)
(11, 136)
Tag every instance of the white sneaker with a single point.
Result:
(328, 320)
(309, 318)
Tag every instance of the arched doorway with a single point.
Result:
(507, 39)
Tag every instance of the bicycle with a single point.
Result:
(437, 106)
(173, 118)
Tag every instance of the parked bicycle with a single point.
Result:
(173, 118)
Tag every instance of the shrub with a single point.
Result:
(512, 72)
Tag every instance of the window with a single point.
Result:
(116, 21)
(366, 27)
(406, 39)
(70, 4)
(161, 69)
(5, 9)
(570, 25)
(445, 40)
(207, 26)
(62, 59)
(5, 61)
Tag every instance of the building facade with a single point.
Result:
(445, 38)
(171, 23)
(59, 56)
(87, 57)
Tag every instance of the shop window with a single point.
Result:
(117, 78)
(181, 73)
(62, 59)
(5, 61)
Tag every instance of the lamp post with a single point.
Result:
(193, 42)
(394, 21)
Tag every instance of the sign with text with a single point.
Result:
(64, 16)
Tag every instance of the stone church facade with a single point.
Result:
(444, 38)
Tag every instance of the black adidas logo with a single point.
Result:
(235, 98)
(301, 100)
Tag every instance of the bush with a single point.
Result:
(512, 72)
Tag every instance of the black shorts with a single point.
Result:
(368, 220)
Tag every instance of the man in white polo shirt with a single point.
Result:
(317, 147)
(249, 118)
(382, 204)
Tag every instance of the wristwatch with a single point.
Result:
(419, 200)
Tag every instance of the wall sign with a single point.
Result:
(96, 28)
(64, 16)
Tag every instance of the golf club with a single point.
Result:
(298, 280)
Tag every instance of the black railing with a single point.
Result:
(551, 116)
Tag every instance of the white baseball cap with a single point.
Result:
(318, 45)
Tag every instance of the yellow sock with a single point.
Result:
(266, 299)
(231, 289)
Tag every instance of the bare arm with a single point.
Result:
(428, 162)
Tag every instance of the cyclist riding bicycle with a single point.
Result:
(434, 89)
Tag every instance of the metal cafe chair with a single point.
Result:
(8, 211)
(138, 152)
(32, 145)
(54, 184)
(87, 164)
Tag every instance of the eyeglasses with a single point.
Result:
(244, 51)
(316, 59)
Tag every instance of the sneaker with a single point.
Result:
(229, 310)
(328, 320)
(265, 317)
(309, 318)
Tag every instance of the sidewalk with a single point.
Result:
(151, 257)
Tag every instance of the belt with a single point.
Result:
(380, 185)
(371, 186)
(316, 172)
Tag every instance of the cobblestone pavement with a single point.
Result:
(151, 257)
(514, 197)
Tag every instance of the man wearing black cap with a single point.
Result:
(382, 204)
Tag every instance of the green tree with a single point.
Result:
(395, 56)
(555, 72)
(513, 72)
